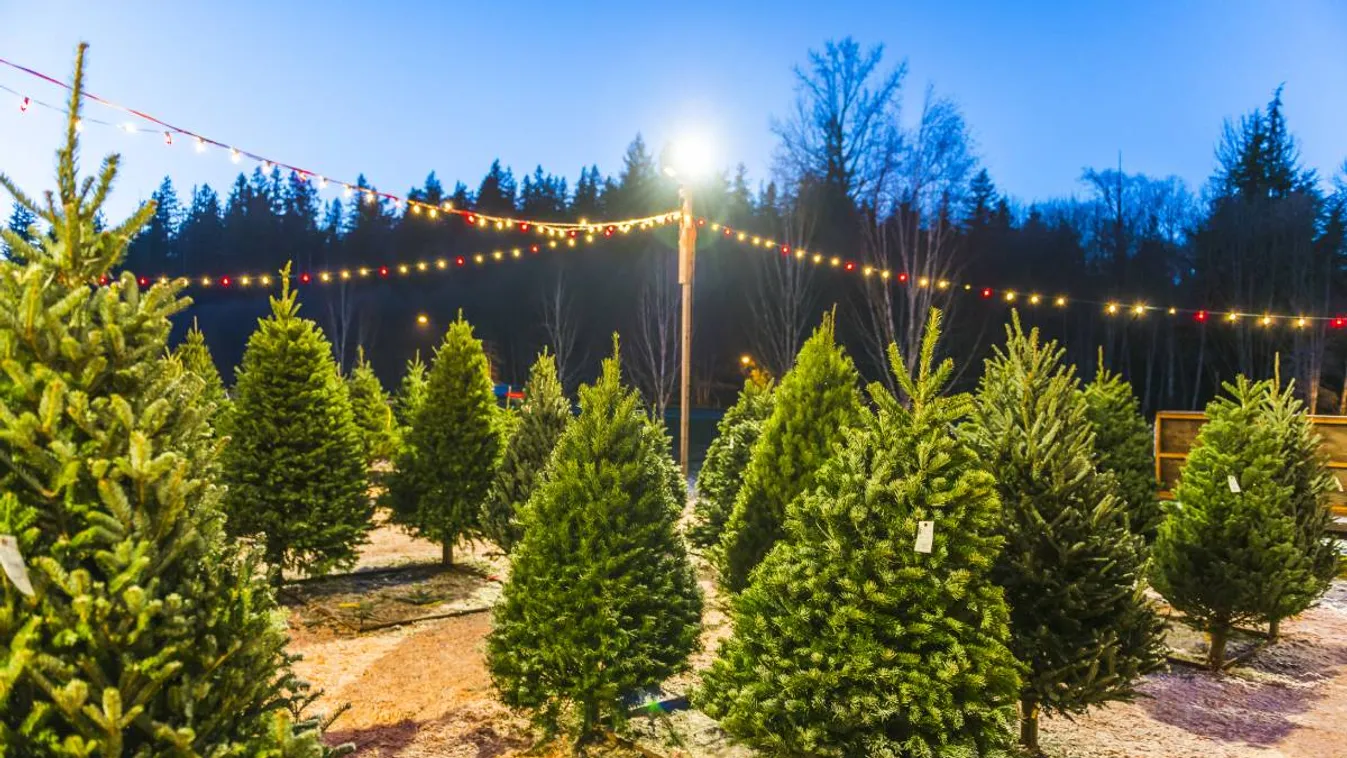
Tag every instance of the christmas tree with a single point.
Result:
(445, 471)
(814, 407)
(602, 599)
(1228, 546)
(148, 632)
(722, 472)
(1071, 568)
(856, 637)
(1123, 447)
(411, 393)
(373, 414)
(1305, 469)
(542, 418)
(294, 463)
(196, 358)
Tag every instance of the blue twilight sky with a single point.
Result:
(395, 90)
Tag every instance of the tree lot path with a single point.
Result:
(423, 690)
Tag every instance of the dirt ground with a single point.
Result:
(422, 690)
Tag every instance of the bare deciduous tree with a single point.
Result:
(783, 300)
(653, 361)
(912, 228)
(562, 329)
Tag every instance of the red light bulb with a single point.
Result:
(1200, 316)
(902, 278)
(383, 271)
(305, 278)
(224, 281)
(459, 260)
(986, 293)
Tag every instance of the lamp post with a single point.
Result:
(687, 160)
(687, 263)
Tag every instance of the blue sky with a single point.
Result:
(395, 90)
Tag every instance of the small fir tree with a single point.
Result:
(1227, 549)
(1305, 470)
(852, 640)
(148, 632)
(196, 358)
(411, 393)
(722, 472)
(294, 465)
(1123, 445)
(445, 472)
(815, 406)
(1071, 568)
(542, 419)
(602, 599)
(372, 411)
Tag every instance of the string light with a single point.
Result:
(1138, 310)
(171, 131)
(1111, 309)
(550, 229)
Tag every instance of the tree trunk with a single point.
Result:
(447, 553)
(1274, 630)
(1216, 652)
(1029, 726)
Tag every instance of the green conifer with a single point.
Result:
(196, 358)
(722, 472)
(542, 419)
(602, 599)
(445, 471)
(850, 638)
(1305, 469)
(294, 465)
(149, 632)
(815, 406)
(1071, 568)
(1123, 445)
(411, 393)
(1226, 552)
(372, 411)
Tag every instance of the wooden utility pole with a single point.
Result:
(687, 261)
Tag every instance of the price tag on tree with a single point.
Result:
(12, 561)
(1234, 484)
(925, 536)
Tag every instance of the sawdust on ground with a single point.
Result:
(423, 690)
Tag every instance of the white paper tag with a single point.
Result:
(1234, 484)
(12, 561)
(925, 536)
(1338, 482)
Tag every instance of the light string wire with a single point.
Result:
(1137, 309)
(371, 195)
(571, 231)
